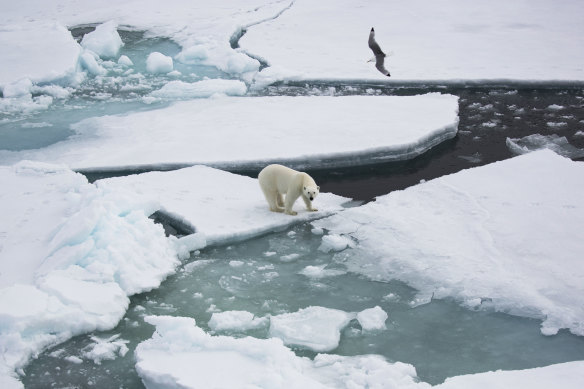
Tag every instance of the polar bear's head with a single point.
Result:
(310, 192)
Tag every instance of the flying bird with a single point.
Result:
(379, 54)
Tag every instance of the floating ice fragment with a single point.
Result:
(372, 319)
(236, 321)
(318, 272)
(105, 349)
(556, 143)
(104, 40)
(159, 63)
(205, 88)
(124, 60)
(316, 328)
(334, 242)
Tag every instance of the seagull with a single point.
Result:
(379, 55)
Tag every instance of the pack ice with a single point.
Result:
(70, 254)
(228, 131)
(505, 236)
(219, 206)
(452, 41)
(181, 355)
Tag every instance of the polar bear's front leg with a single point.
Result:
(309, 204)
(289, 201)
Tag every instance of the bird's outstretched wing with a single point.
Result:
(379, 54)
(373, 45)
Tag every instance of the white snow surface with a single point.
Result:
(70, 254)
(233, 130)
(568, 375)
(506, 236)
(218, 205)
(182, 355)
(445, 40)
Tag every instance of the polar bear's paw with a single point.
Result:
(292, 213)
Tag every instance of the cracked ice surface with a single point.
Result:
(227, 131)
(220, 206)
(505, 236)
(450, 40)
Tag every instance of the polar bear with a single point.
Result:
(278, 180)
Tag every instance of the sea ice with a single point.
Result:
(320, 271)
(236, 321)
(159, 63)
(70, 254)
(372, 319)
(105, 349)
(203, 88)
(335, 243)
(556, 143)
(104, 40)
(38, 51)
(182, 355)
(507, 235)
(564, 375)
(453, 41)
(316, 328)
(219, 205)
(308, 130)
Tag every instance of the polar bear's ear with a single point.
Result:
(318, 188)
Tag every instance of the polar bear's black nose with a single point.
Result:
(311, 198)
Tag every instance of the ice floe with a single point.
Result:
(568, 375)
(182, 355)
(313, 130)
(423, 40)
(556, 143)
(104, 40)
(236, 321)
(372, 319)
(218, 205)
(70, 254)
(316, 328)
(504, 236)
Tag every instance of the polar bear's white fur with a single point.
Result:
(277, 181)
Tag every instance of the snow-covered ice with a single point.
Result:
(320, 271)
(236, 321)
(556, 143)
(218, 205)
(70, 254)
(450, 40)
(504, 236)
(182, 355)
(564, 375)
(316, 328)
(234, 130)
